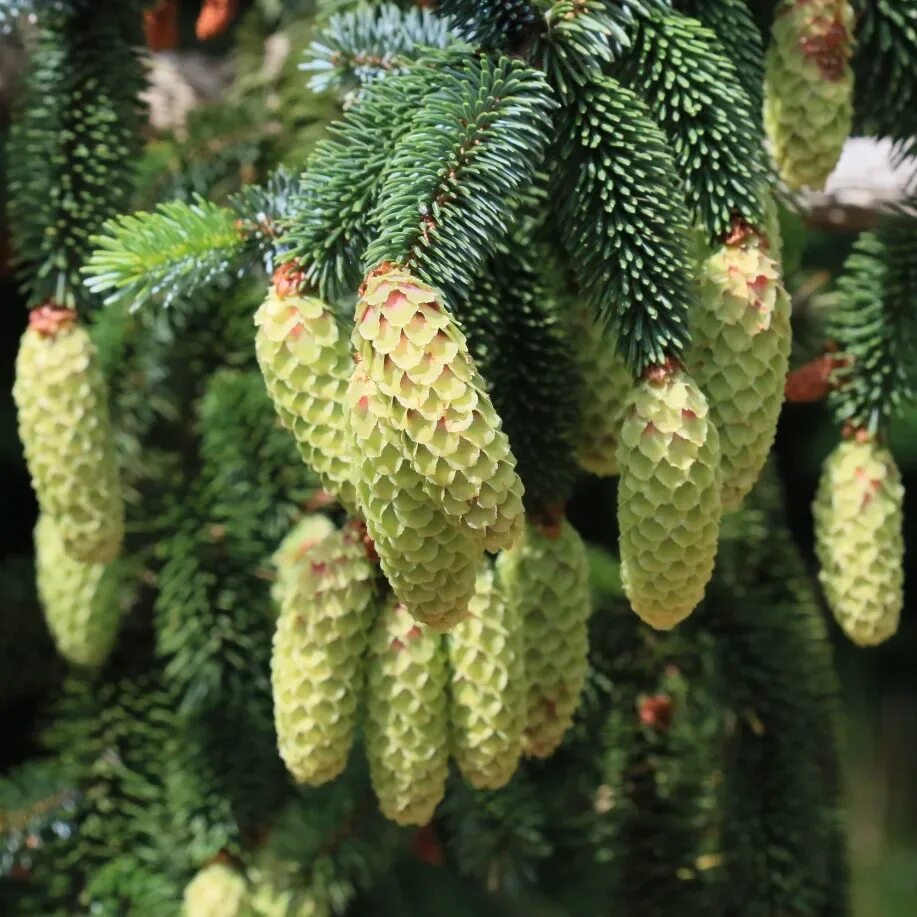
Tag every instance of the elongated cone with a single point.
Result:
(289, 556)
(319, 648)
(429, 557)
(739, 356)
(407, 722)
(669, 503)
(546, 577)
(428, 390)
(67, 437)
(859, 541)
(606, 385)
(488, 696)
(306, 361)
(216, 891)
(80, 601)
(808, 88)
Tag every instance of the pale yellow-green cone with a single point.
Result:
(488, 692)
(428, 390)
(606, 385)
(407, 716)
(859, 541)
(267, 899)
(429, 557)
(305, 359)
(216, 891)
(66, 433)
(318, 658)
(546, 577)
(739, 355)
(808, 88)
(80, 601)
(287, 559)
(669, 505)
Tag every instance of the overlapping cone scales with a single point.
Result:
(669, 504)
(66, 433)
(808, 104)
(407, 719)
(859, 541)
(428, 556)
(290, 555)
(606, 384)
(488, 688)
(216, 891)
(80, 601)
(319, 649)
(546, 577)
(739, 357)
(306, 362)
(428, 390)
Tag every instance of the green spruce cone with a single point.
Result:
(317, 663)
(808, 89)
(216, 891)
(288, 557)
(66, 433)
(407, 716)
(740, 350)
(80, 601)
(429, 557)
(306, 362)
(859, 542)
(488, 696)
(428, 390)
(546, 577)
(669, 503)
(606, 385)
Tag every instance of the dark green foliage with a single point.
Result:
(329, 230)
(492, 23)
(452, 181)
(11, 11)
(885, 64)
(691, 87)
(621, 220)
(520, 341)
(780, 831)
(74, 144)
(365, 44)
(740, 38)
(873, 324)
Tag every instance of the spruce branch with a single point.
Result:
(166, 254)
(492, 24)
(622, 221)
(693, 92)
(449, 189)
(874, 328)
(362, 45)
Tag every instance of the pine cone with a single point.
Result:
(216, 891)
(429, 558)
(739, 356)
(289, 556)
(428, 390)
(306, 362)
(80, 601)
(67, 437)
(859, 541)
(606, 384)
(546, 577)
(808, 104)
(488, 708)
(407, 720)
(317, 663)
(669, 504)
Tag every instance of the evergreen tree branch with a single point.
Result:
(452, 181)
(492, 24)
(694, 94)
(363, 45)
(621, 218)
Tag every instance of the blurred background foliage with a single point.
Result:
(249, 113)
